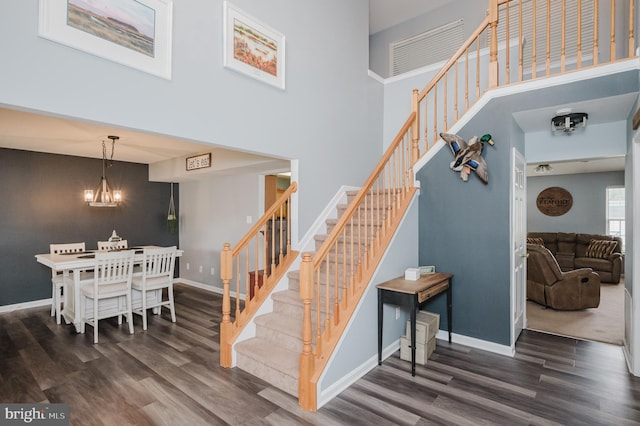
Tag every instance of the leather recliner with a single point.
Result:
(549, 286)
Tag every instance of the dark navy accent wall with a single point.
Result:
(42, 203)
(465, 230)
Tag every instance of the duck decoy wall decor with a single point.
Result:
(468, 156)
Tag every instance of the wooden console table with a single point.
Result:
(412, 294)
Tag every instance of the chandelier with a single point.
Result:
(103, 196)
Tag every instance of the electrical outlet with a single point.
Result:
(188, 266)
(249, 220)
(200, 268)
(397, 313)
(213, 271)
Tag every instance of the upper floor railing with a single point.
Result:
(522, 40)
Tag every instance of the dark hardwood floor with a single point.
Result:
(171, 375)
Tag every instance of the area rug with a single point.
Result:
(603, 324)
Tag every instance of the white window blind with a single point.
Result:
(571, 29)
(426, 48)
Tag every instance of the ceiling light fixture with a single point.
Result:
(543, 169)
(566, 122)
(103, 196)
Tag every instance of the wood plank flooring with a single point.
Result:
(170, 375)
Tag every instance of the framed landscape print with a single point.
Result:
(252, 48)
(135, 33)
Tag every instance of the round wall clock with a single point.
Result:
(554, 201)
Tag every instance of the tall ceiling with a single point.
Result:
(36, 132)
(384, 14)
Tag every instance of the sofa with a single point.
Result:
(602, 253)
(550, 287)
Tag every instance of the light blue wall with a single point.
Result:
(360, 344)
(322, 111)
(588, 213)
(594, 141)
(465, 229)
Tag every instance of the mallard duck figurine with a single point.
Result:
(468, 156)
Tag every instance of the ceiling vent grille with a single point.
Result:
(571, 31)
(424, 49)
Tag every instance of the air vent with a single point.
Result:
(424, 49)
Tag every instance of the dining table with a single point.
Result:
(73, 265)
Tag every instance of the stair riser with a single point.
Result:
(282, 339)
(342, 245)
(282, 380)
(382, 198)
(295, 286)
(368, 229)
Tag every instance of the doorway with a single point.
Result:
(588, 215)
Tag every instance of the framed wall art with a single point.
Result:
(135, 33)
(252, 48)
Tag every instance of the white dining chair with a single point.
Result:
(112, 274)
(57, 277)
(157, 274)
(108, 245)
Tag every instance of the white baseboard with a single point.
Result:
(472, 342)
(348, 380)
(206, 287)
(25, 305)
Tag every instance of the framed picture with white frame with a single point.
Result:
(252, 48)
(135, 33)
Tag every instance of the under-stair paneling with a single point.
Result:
(357, 352)
(464, 229)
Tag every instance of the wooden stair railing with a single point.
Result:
(347, 259)
(257, 262)
(334, 280)
(486, 57)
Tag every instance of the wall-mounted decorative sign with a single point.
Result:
(133, 33)
(554, 201)
(199, 161)
(252, 48)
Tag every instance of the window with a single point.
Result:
(615, 212)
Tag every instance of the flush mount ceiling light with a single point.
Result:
(103, 196)
(543, 169)
(566, 122)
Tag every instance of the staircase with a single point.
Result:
(274, 354)
(294, 343)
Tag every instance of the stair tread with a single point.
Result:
(271, 354)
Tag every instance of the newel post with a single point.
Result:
(306, 389)
(415, 128)
(226, 274)
(493, 48)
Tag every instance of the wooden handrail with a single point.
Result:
(265, 218)
(456, 56)
(436, 95)
(334, 280)
(254, 250)
(321, 253)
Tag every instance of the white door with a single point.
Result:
(518, 244)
